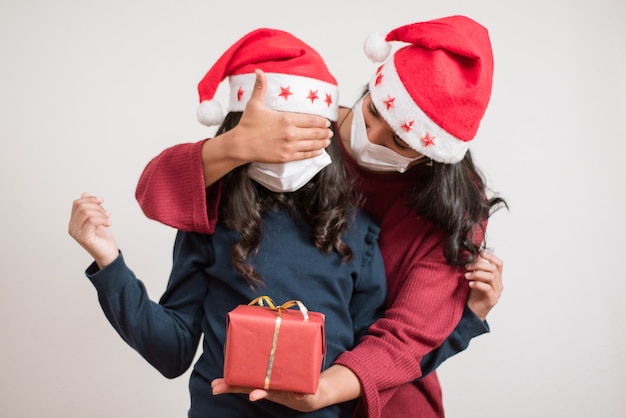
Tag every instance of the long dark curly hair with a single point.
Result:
(324, 203)
(455, 198)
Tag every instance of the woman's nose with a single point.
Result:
(377, 134)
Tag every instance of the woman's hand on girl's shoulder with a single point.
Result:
(485, 281)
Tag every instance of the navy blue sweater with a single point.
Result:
(203, 288)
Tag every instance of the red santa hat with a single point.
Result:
(434, 92)
(297, 77)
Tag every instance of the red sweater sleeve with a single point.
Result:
(171, 190)
(426, 302)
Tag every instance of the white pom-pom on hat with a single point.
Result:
(376, 48)
(210, 113)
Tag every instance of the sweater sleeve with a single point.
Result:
(470, 327)
(424, 307)
(171, 190)
(167, 333)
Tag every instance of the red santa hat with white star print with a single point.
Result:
(297, 77)
(434, 91)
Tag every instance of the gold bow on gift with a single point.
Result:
(261, 300)
(290, 303)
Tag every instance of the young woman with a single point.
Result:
(406, 143)
(286, 230)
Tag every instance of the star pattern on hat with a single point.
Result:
(408, 125)
(296, 76)
(379, 78)
(428, 140)
(312, 96)
(285, 93)
(389, 102)
(329, 99)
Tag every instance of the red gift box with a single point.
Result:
(272, 347)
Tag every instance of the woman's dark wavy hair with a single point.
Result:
(454, 197)
(324, 203)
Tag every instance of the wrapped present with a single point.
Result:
(274, 347)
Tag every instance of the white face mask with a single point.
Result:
(373, 156)
(290, 176)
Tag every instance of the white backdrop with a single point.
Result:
(91, 90)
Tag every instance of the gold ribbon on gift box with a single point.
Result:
(267, 301)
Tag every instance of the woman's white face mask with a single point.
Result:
(373, 156)
(290, 176)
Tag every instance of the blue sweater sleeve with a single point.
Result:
(167, 333)
(469, 327)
